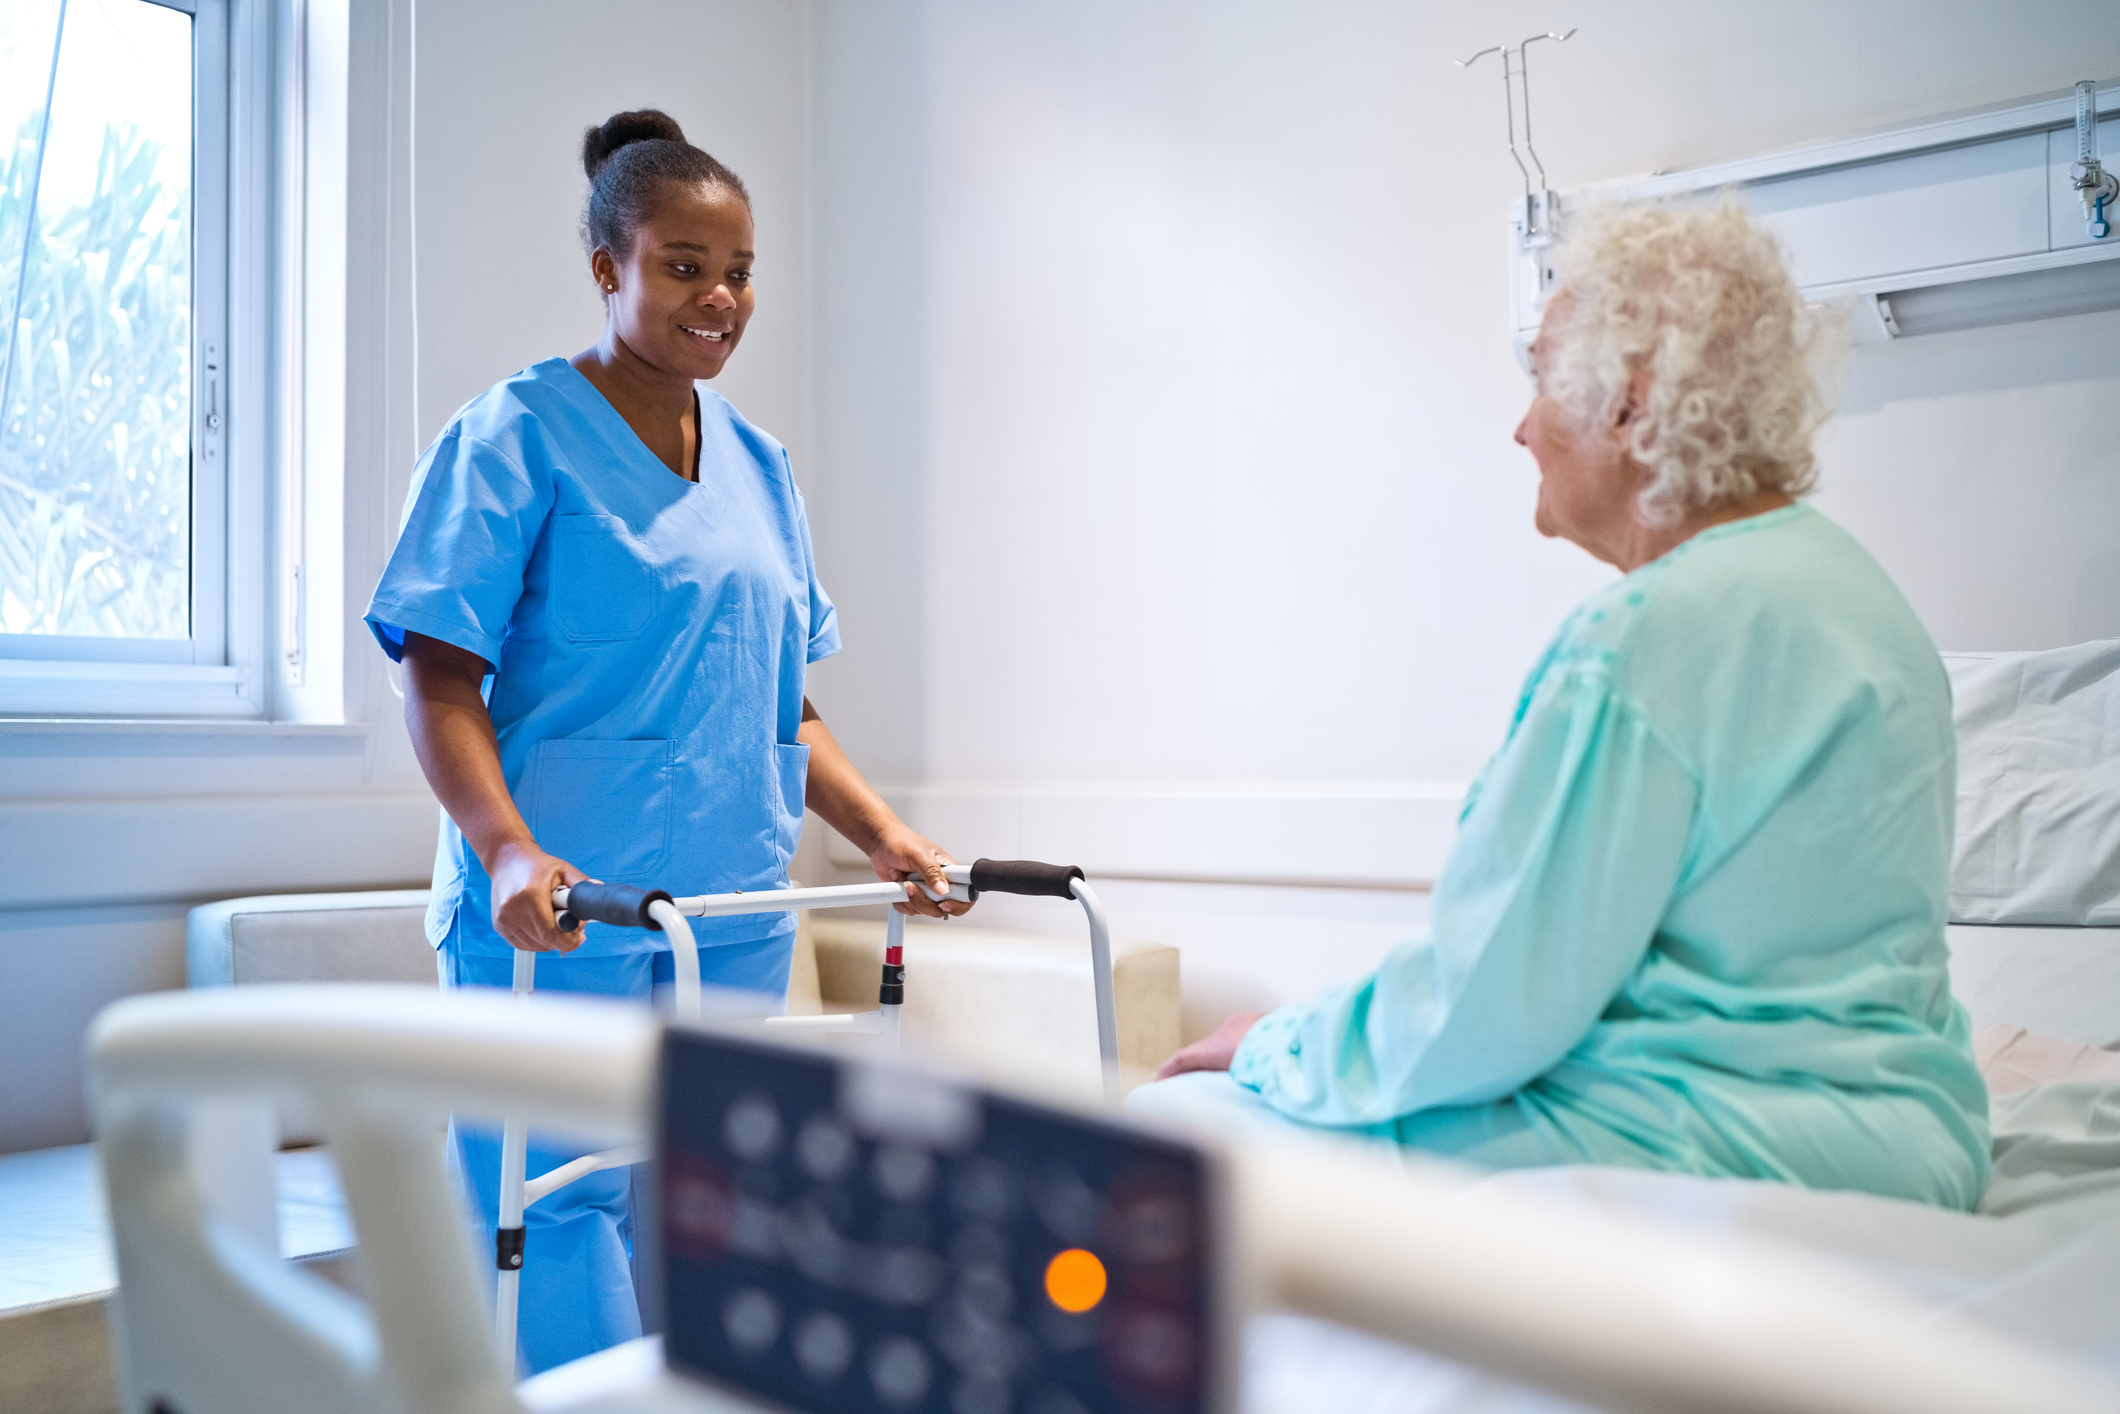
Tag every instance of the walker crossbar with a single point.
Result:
(624, 906)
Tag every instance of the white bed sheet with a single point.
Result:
(2040, 1261)
(2060, 982)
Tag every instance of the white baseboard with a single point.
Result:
(1393, 836)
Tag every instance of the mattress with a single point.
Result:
(2037, 1262)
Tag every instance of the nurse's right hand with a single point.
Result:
(524, 877)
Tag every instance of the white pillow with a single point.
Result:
(2038, 786)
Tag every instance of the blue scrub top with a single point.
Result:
(647, 635)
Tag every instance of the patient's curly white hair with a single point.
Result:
(1700, 300)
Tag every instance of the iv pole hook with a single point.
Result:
(1515, 76)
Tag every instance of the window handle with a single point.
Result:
(213, 387)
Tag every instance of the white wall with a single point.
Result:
(108, 834)
(1203, 391)
(1983, 469)
(506, 89)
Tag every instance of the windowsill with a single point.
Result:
(174, 726)
(54, 688)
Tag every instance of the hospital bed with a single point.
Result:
(1624, 1312)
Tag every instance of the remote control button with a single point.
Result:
(900, 1371)
(813, 1244)
(979, 1345)
(906, 1276)
(987, 1291)
(1053, 1400)
(904, 1174)
(824, 1148)
(1153, 1227)
(1151, 1351)
(1065, 1204)
(979, 1245)
(981, 1394)
(985, 1188)
(824, 1346)
(1075, 1280)
(752, 1126)
(751, 1320)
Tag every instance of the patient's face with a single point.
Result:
(1587, 482)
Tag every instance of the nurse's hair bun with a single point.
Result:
(630, 158)
(614, 132)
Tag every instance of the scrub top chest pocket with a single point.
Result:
(605, 588)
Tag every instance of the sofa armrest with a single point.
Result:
(1011, 1005)
(354, 937)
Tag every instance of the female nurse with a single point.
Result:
(604, 599)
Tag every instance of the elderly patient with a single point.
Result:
(1695, 916)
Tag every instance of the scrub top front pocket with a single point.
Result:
(603, 806)
(603, 587)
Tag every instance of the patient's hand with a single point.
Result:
(1213, 1051)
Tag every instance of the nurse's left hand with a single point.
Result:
(902, 855)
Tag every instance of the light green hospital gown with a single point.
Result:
(1695, 916)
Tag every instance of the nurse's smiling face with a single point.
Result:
(679, 300)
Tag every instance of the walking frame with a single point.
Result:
(626, 907)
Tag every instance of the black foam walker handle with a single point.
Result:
(621, 905)
(1024, 876)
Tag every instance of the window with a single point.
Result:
(113, 235)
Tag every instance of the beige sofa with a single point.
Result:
(1002, 1004)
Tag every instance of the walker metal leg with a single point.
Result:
(516, 1193)
(684, 960)
(891, 996)
(508, 1238)
(1100, 967)
(525, 979)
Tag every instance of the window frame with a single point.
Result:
(212, 673)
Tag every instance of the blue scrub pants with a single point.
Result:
(577, 1283)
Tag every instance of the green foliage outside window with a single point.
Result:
(95, 437)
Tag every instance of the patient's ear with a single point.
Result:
(1637, 399)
